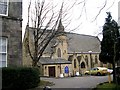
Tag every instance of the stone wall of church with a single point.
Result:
(62, 45)
(84, 61)
(59, 69)
(26, 59)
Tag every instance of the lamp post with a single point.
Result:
(91, 59)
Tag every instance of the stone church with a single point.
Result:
(66, 55)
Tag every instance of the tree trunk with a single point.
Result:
(114, 73)
(34, 63)
(113, 64)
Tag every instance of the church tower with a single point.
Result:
(61, 49)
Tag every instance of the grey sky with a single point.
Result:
(85, 23)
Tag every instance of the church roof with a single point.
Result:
(77, 43)
(82, 43)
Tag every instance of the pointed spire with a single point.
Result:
(60, 26)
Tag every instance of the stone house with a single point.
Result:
(118, 63)
(67, 54)
(10, 33)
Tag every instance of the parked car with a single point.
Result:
(97, 71)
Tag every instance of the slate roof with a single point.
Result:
(76, 43)
(47, 60)
(82, 43)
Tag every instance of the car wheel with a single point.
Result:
(98, 73)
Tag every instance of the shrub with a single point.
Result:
(118, 74)
(118, 79)
(20, 78)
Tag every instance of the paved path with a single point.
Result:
(78, 83)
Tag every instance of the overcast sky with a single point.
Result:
(86, 23)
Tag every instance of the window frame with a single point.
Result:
(7, 9)
(1, 52)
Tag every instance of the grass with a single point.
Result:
(42, 84)
(45, 83)
(107, 86)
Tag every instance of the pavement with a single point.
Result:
(74, 83)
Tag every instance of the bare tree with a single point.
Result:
(104, 6)
(45, 23)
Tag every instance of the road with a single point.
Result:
(86, 82)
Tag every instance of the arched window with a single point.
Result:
(59, 52)
(82, 65)
(86, 59)
(96, 60)
(74, 63)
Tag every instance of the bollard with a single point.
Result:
(47, 88)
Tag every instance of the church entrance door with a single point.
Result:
(52, 71)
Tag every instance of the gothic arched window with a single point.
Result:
(82, 65)
(59, 52)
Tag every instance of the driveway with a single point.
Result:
(78, 83)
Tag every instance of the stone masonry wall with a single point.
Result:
(12, 29)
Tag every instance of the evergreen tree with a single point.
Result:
(110, 45)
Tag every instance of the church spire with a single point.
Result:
(60, 26)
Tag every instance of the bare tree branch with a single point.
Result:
(111, 4)
(41, 35)
(100, 10)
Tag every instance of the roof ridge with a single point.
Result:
(80, 34)
(70, 33)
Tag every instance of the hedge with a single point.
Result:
(20, 78)
(118, 79)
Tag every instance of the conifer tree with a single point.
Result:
(110, 45)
